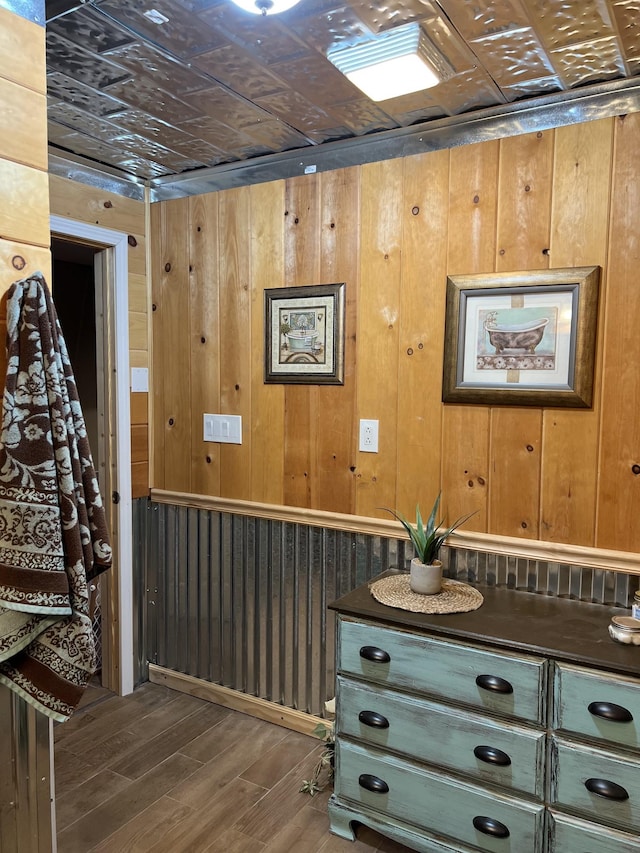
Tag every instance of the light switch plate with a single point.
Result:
(226, 429)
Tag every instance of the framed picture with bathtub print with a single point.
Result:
(521, 338)
(304, 334)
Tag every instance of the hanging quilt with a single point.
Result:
(53, 534)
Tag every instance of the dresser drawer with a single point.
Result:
(435, 802)
(492, 751)
(571, 835)
(600, 785)
(495, 681)
(597, 705)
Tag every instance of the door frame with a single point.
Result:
(119, 643)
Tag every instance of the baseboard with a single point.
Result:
(289, 718)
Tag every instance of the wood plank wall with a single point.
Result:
(24, 212)
(84, 203)
(393, 231)
(25, 736)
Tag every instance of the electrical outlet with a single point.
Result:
(369, 436)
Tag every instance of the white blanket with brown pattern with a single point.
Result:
(53, 535)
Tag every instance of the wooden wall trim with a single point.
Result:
(529, 549)
(289, 718)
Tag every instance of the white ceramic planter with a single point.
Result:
(425, 580)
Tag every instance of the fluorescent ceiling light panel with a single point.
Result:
(395, 63)
(266, 7)
(155, 17)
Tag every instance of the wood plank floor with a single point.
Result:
(165, 772)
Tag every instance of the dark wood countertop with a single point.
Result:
(572, 631)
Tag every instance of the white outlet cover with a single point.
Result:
(139, 379)
(368, 436)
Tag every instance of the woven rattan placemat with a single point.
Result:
(455, 597)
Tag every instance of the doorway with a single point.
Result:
(73, 286)
(95, 326)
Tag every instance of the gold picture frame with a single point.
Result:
(521, 338)
(304, 335)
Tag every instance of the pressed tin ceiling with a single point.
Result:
(214, 89)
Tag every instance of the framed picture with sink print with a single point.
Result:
(304, 335)
(521, 338)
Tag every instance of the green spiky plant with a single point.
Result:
(427, 539)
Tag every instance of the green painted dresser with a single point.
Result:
(513, 729)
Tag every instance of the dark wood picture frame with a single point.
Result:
(304, 335)
(521, 338)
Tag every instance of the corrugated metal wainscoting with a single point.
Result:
(242, 601)
(25, 777)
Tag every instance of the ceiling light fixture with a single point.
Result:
(265, 7)
(398, 62)
(155, 17)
